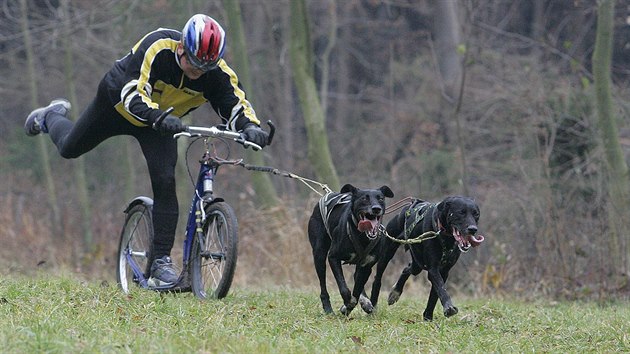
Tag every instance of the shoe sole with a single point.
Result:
(157, 283)
(30, 128)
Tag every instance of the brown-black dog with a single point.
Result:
(455, 221)
(346, 227)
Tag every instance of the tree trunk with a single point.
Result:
(332, 40)
(302, 65)
(41, 141)
(79, 166)
(446, 31)
(617, 168)
(342, 62)
(265, 192)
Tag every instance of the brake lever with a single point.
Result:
(246, 144)
(177, 135)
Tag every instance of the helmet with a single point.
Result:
(204, 41)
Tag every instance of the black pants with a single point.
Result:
(100, 121)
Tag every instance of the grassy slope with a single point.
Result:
(65, 315)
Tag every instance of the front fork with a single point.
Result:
(203, 196)
(138, 274)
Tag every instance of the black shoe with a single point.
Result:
(162, 273)
(36, 121)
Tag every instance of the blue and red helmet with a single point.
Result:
(204, 42)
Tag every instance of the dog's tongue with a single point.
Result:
(366, 225)
(476, 240)
(466, 241)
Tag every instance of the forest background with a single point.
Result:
(494, 99)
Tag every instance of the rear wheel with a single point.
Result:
(134, 250)
(214, 252)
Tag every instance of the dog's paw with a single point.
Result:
(347, 308)
(345, 311)
(450, 311)
(366, 304)
(393, 297)
(326, 305)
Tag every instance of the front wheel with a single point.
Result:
(134, 250)
(214, 252)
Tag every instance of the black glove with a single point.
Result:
(255, 134)
(171, 125)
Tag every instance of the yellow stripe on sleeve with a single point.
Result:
(247, 108)
(145, 70)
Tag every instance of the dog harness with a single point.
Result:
(326, 205)
(416, 214)
(328, 202)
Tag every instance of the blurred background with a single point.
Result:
(495, 99)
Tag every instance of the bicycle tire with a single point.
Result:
(214, 252)
(136, 239)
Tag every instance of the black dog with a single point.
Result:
(346, 227)
(454, 225)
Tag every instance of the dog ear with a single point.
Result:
(348, 188)
(442, 210)
(444, 205)
(387, 192)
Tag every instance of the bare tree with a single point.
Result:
(617, 168)
(302, 63)
(265, 191)
(41, 142)
(446, 31)
(325, 60)
(79, 167)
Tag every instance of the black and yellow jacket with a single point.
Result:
(148, 80)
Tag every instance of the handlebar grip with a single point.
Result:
(272, 131)
(158, 122)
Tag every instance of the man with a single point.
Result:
(164, 69)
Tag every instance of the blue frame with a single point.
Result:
(206, 172)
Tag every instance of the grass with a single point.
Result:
(65, 315)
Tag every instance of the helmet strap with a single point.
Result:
(180, 48)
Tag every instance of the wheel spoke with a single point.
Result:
(134, 248)
(214, 267)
